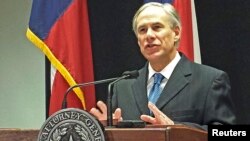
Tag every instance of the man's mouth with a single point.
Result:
(150, 45)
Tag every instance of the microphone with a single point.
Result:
(125, 75)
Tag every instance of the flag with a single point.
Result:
(189, 43)
(60, 28)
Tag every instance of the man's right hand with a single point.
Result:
(102, 113)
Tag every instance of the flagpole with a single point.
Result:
(47, 86)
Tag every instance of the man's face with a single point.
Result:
(156, 36)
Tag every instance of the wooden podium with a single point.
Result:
(149, 133)
(156, 133)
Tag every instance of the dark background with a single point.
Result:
(224, 29)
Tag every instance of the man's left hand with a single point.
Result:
(159, 117)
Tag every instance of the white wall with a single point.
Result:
(22, 70)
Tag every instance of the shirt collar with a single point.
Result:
(168, 70)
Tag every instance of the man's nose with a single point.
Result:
(150, 32)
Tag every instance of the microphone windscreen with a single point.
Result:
(131, 74)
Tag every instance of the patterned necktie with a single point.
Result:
(155, 91)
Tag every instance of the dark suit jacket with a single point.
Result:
(195, 95)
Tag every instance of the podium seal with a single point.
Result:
(71, 125)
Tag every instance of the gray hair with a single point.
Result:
(168, 8)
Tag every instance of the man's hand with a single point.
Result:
(160, 117)
(102, 113)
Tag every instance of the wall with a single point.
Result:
(22, 72)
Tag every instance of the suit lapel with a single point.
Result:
(177, 81)
(140, 91)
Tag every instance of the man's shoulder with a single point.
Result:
(207, 68)
(203, 68)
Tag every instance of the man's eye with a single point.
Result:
(142, 30)
(156, 27)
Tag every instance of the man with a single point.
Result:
(190, 93)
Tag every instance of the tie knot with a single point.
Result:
(158, 77)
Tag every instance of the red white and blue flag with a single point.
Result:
(189, 43)
(60, 28)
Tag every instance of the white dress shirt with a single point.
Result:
(166, 72)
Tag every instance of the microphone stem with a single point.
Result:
(64, 103)
(109, 106)
(98, 82)
(109, 100)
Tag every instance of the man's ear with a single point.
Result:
(177, 32)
